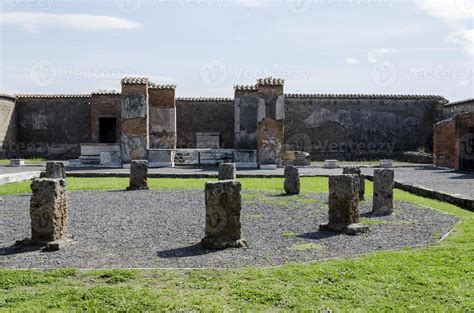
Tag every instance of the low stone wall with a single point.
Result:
(7, 125)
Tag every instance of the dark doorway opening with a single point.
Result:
(466, 153)
(107, 129)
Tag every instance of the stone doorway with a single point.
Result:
(466, 153)
(107, 130)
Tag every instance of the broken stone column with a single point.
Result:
(55, 170)
(48, 210)
(138, 175)
(358, 172)
(383, 192)
(227, 171)
(292, 180)
(343, 202)
(223, 207)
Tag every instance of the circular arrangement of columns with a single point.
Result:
(223, 201)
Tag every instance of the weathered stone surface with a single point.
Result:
(110, 158)
(302, 158)
(292, 180)
(48, 210)
(383, 192)
(358, 172)
(227, 171)
(386, 163)
(138, 175)
(343, 202)
(223, 211)
(331, 164)
(55, 170)
(17, 162)
(270, 141)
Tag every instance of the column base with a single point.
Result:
(217, 244)
(352, 229)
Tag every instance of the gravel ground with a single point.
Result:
(163, 228)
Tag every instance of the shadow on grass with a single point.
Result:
(194, 250)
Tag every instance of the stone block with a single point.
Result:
(96, 149)
(383, 192)
(48, 210)
(138, 175)
(110, 158)
(17, 162)
(161, 158)
(386, 163)
(331, 164)
(55, 170)
(223, 213)
(227, 171)
(343, 205)
(292, 180)
(302, 158)
(358, 172)
(245, 158)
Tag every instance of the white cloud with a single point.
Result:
(35, 21)
(454, 13)
(465, 38)
(377, 55)
(352, 61)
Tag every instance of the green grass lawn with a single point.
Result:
(435, 278)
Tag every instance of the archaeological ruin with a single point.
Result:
(261, 126)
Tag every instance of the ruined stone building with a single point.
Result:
(260, 125)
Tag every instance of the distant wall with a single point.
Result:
(455, 108)
(7, 125)
(354, 129)
(105, 105)
(205, 115)
(53, 127)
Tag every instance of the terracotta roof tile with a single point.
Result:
(135, 80)
(56, 96)
(245, 87)
(156, 86)
(364, 96)
(203, 99)
(270, 81)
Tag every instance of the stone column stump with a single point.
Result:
(227, 171)
(49, 212)
(292, 180)
(223, 210)
(138, 175)
(358, 172)
(383, 192)
(55, 170)
(343, 201)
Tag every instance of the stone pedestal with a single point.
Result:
(383, 192)
(343, 201)
(55, 170)
(292, 180)
(48, 210)
(358, 172)
(138, 175)
(17, 162)
(331, 164)
(227, 171)
(223, 210)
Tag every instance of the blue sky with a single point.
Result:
(207, 46)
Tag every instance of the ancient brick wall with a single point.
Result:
(205, 115)
(444, 144)
(52, 127)
(455, 108)
(7, 125)
(108, 105)
(359, 127)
